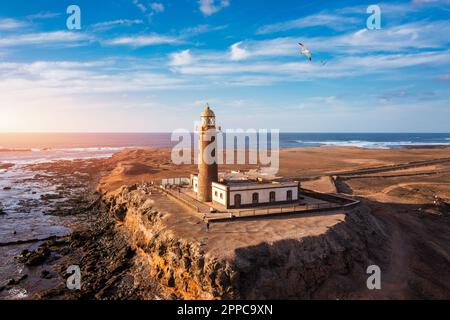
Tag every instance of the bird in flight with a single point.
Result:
(306, 52)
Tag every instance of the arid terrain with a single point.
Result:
(398, 199)
(155, 247)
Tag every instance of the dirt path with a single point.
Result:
(407, 184)
(395, 277)
(419, 255)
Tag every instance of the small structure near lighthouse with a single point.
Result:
(235, 190)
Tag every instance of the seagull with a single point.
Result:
(306, 52)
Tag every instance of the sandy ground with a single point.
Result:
(155, 164)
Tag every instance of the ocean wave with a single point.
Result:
(373, 144)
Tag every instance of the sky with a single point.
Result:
(144, 66)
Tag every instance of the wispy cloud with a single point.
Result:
(140, 6)
(144, 40)
(200, 29)
(101, 26)
(8, 24)
(157, 39)
(157, 7)
(181, 58)
(210, 7)
(237, 53)
(321, 19)
(46, 39)
(149, 9)
(43, 15)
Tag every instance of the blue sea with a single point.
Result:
(364, 140)
(42, 147)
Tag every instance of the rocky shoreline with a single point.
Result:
(65, 192)
(109, 267)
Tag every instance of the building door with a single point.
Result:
(289, 195)
(272, 197)
(237, 200)
(255, 198)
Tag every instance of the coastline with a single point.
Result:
(123, 278)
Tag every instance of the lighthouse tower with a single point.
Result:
(207, 161)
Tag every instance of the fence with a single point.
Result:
(293, 209)
(338, 203)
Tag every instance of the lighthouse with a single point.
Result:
(207, 159)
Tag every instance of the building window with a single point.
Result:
(255, 198)
(272, 197)
(215, 193)
(237, 200)
(221, 195)
(289, 195)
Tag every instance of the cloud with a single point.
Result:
(46, 38)
(115, 23)
(143, 41)
(210, 7)
(48, 79)
(200, 29)
(431, 1)
(237, 53)
(405, 38)
(43, 15)
(8, 24)
(157, 7)
(151, 9)
(140, 6)
(181, 58)
(321, 19)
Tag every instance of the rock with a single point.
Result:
(45, 274)
(14, 282)
(47, 197)
(7, 188)
(35, 258)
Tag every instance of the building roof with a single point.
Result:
(250, 178)
(207, 112)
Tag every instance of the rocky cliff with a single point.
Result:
(330, 265)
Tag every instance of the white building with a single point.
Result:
(245, 192)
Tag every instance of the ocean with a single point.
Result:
(43, 147)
